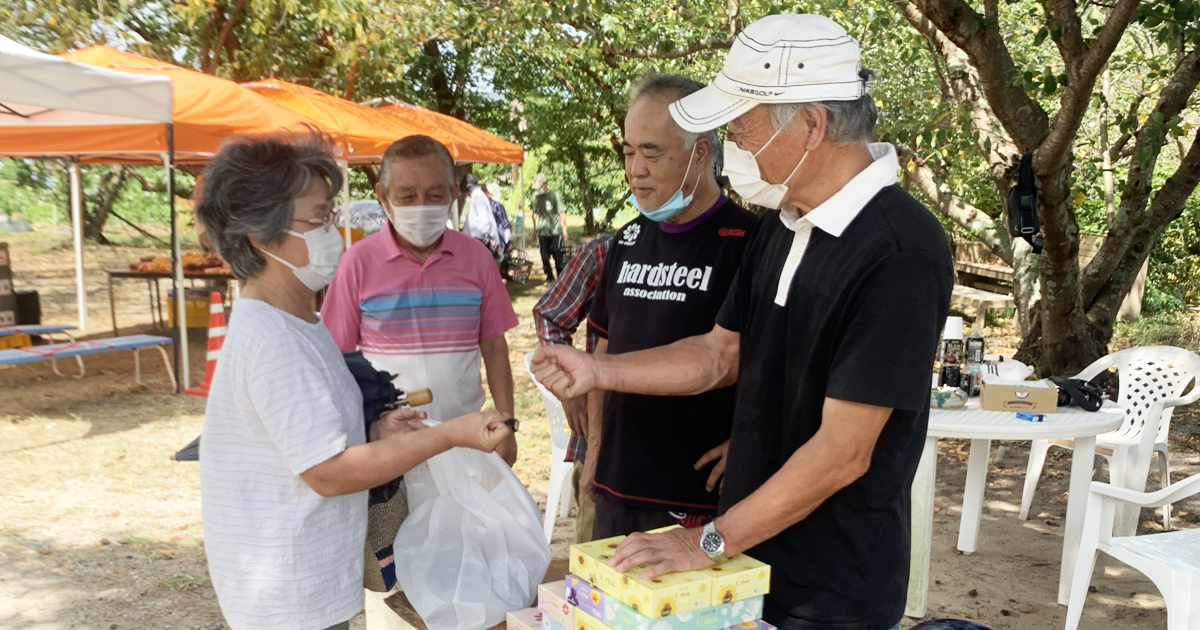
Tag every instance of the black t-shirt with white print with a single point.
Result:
(663, 283)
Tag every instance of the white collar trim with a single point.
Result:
(839, 210)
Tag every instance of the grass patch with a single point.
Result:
(1176, 328)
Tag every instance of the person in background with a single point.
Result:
(481, 222)
(285, 465)
(655, 461)
(422, 302)
(550, 224)
(556, 317)
(829, 331)
(503, 225)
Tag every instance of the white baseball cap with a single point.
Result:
(792, 58)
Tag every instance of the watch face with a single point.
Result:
(711, 543)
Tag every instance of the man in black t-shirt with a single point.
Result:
(655, 461)
(829, 330)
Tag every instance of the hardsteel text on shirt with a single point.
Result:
(663, 275)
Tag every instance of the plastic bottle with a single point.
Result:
(974, 356)
(951, 354)
(975, 345)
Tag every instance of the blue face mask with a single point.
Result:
(676, 204)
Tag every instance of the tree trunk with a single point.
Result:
(585, 188)
(1066, 315)
(107, 192)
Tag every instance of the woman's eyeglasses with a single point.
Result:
(330, 220)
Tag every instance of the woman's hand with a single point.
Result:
(403, 420)
(482, 430)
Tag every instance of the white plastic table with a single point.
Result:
(981, 427)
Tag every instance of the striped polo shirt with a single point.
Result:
(422, 322)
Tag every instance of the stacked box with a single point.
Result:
(556, 609)
(584, 621)
(716, 598)
(524, 619)
(741, 578)
(616, 614)
(662, 596)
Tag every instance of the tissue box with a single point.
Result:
(550, 624)
(757, 624)
(584, 621)
(1001, 395)
(662, 596)
(740, 578)
(583, 596)
(552, 601)
(713, 618)
(525, 619)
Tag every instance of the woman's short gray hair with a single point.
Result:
(250, 188)
(846, 121)
(677, 86)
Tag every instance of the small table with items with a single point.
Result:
(152, 278)
(981, 427)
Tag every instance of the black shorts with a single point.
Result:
(617, 519)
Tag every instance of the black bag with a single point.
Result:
(1088, 396)
(1021, 204)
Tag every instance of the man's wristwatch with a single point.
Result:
(712, 543)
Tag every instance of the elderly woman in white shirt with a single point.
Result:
(285, 465)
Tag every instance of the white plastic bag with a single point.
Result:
(472, 547)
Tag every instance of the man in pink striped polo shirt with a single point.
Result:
(422, 302)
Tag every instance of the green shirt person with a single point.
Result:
(550, 223)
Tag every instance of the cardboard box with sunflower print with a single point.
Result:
(583, 596)
(615, 614)
(741, 578)
(662, 596)
(584, 621)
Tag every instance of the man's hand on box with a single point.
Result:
(565, 371)
(576, 410)
(669, 552)
(718, 454)
(403, 420)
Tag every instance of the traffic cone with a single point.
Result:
(216, 338)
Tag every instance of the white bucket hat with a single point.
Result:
(793, 58)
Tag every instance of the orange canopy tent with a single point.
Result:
(467, 143)
(366, 132)
(207, 110)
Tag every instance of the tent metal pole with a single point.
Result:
(520, 181)
(181, 347)
(345, 199)
(77, 227)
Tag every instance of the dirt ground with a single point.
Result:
(100, 529)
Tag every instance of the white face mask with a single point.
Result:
(420, 225)
(741, 167)
(324, 254)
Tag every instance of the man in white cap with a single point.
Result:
(830, 330)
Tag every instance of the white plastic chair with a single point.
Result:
(1153, 380)
(558, 494)
(1170, 560)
